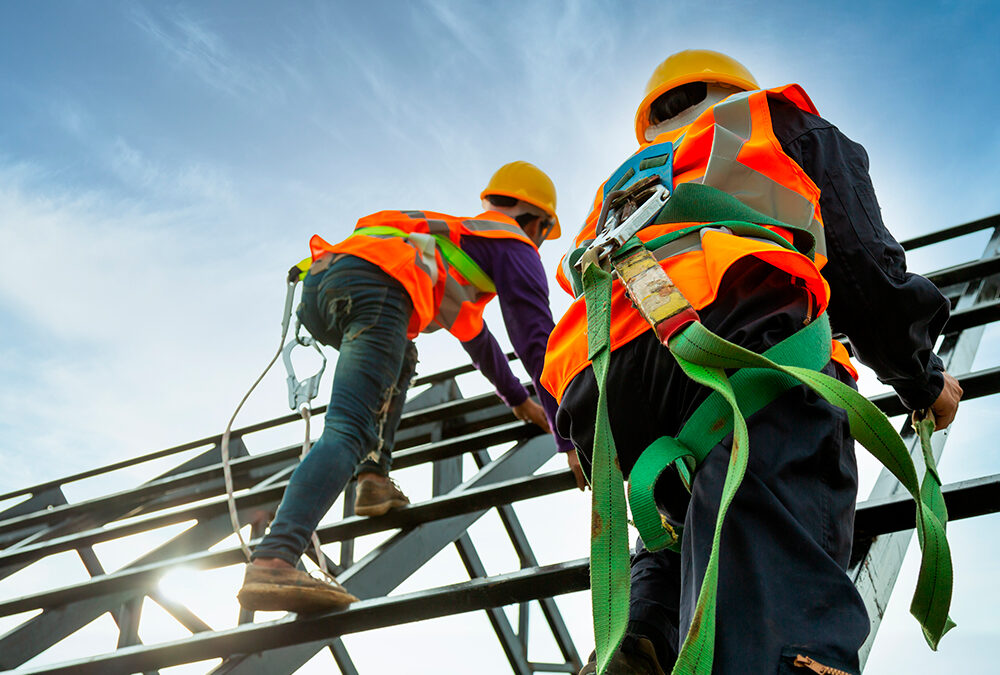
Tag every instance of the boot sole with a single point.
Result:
(381, 508)
(273, 598)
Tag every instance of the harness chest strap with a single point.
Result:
(704, 357)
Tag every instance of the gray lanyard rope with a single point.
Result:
(300, 394)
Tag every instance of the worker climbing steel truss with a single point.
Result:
(437, 429)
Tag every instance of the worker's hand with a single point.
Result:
(574, 465)
(529, 411)
(946, 405)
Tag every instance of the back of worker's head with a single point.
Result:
(685, 85)
(523, 192)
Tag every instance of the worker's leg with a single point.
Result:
(366, 314)
(379, 459)
(786, 543)
(647, 394)
(376, 494)
(653, 611)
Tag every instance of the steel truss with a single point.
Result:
(439, 428)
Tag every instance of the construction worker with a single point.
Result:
(399, 274)
(767, 164)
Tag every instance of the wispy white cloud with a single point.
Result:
(469, 34)
(134, 328)
(191, 182)
(194, 45)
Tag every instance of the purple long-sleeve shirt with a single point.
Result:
(523, 291)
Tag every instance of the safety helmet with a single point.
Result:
(692, 65)
(525, 181)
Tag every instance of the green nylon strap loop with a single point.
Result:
(697, 652)
(712, 421)
(930, 492)
(609, 550)
(655, 532)
(452, 254)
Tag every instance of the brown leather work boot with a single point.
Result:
(637, 656)
(291, 590)
(375, 497)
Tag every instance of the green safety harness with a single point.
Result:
(758, 379)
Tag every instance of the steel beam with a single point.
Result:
(447, 476)
(408, 420)
(513, 648)
(395, 560)
(970, 272)
(475, 595)
(527, 559)
(879, 563)
(466, 501)
(951, 232)
(41, 632)
(966, 499)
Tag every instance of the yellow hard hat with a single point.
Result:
(693, 65)
(525, 181)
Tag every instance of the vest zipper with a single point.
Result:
(809, 309)
(816, 666)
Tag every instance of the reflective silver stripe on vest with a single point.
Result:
(692, 242)
(438, 227)
(733, 127)
(457, 293)
(686, 244)
(474, 225)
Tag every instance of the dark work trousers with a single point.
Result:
(786, 541)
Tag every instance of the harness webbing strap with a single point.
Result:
(453, 255)
(809, 348)
(703, 356)
(609, 550)
(712, 421)
(930, 493)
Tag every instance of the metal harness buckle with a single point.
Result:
(612, 234)
(647, 285)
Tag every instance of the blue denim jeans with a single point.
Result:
(356, 308)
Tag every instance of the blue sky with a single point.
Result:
(162, 164)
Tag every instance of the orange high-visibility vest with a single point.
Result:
(732, 147)
(442, 297)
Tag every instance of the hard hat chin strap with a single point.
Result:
(716, 93)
